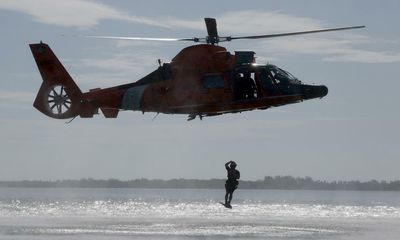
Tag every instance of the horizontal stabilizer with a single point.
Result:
(110, 112)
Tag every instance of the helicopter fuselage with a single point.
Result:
(201, 80)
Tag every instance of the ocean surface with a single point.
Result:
(56, 213)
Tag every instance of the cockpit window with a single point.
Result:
(266, 78)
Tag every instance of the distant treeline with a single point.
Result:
(278, 182)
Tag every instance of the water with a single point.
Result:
(196, 214)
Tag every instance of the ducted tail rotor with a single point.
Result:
(58, 101)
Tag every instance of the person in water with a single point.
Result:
(232, 182)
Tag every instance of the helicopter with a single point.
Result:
(202, 80)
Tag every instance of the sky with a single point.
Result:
(351, 134)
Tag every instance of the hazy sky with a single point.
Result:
(353, 133)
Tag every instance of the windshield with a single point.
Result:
(281, 75)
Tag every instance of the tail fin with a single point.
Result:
(59, 96)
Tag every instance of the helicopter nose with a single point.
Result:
(323, 91)
(315, 91)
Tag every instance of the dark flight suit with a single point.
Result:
(232, 182)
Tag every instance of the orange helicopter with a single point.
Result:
(201, 80)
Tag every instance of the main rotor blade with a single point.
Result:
(289, 34)
(212, 31)
(145, 39)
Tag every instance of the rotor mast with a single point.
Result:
(212, 31)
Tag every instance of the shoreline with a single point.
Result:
(269, 183)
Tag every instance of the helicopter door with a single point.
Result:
(245, 85)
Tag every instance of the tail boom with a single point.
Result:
(59, 96)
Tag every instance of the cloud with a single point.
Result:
(259, 22)
(84, 13)
(72, 13)
(337, 49)
(119, 68)
(119, 62)
(11, 96)
(15, 100)
(342, 46)
(364, 56)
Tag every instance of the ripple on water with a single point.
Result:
(137, 208)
